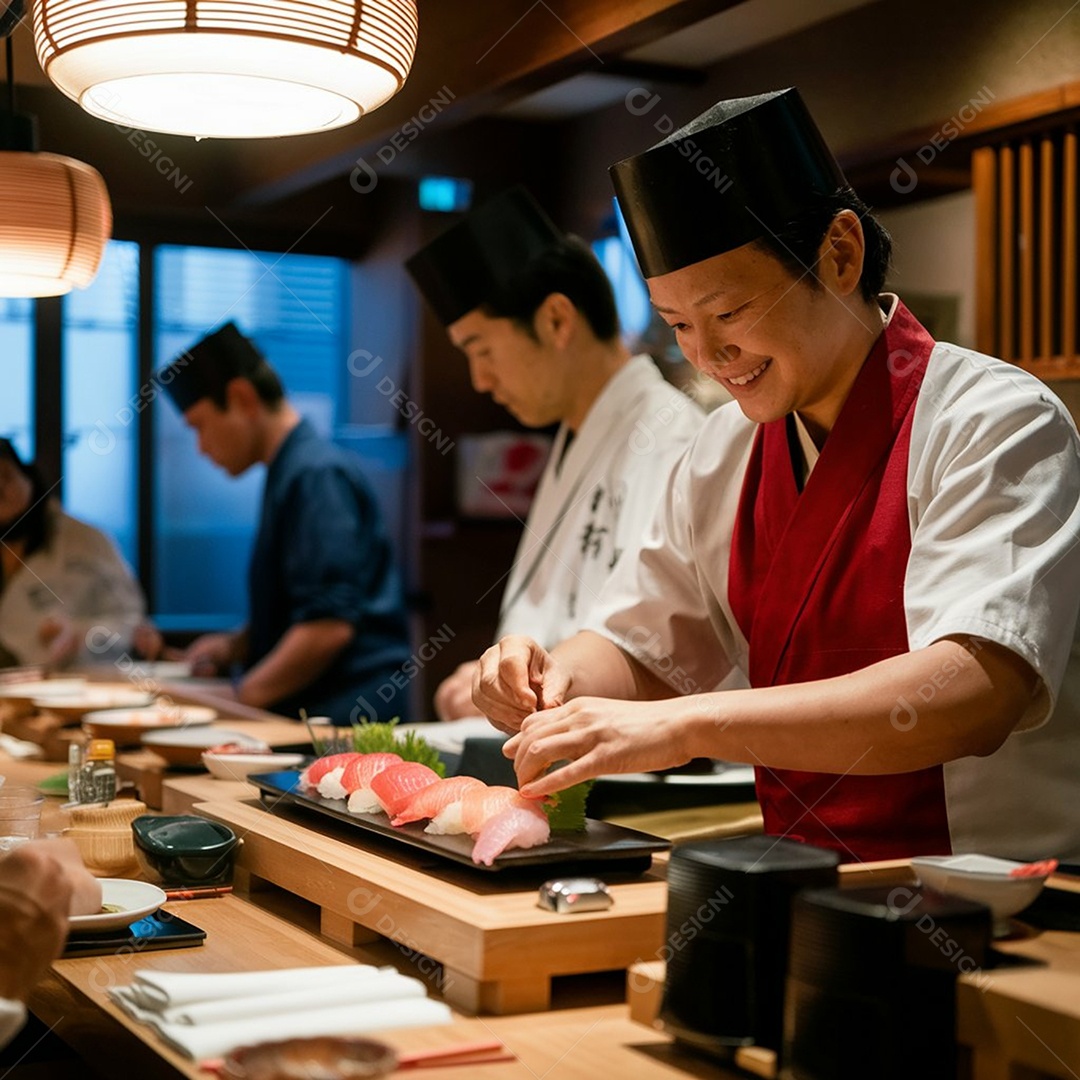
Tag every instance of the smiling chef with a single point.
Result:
(881, 532)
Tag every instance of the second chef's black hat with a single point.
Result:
(205, 368)
(461, 269)
(742, 168)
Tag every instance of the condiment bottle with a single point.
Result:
(97, 778)
(74, 769)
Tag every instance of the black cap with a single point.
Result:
(743, 167)
(204, 369)
(459, 270)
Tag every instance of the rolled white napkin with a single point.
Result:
(161, 990)
(389, 986)
(200, 1041)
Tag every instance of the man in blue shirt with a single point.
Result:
(326, 627)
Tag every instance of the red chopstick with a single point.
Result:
(476, 1053)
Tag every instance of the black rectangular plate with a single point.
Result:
(601, 841)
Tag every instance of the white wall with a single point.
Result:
(934, 253)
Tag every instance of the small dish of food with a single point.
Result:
(1004, 886)
(235, 761)
(126, 727)
(123, 902)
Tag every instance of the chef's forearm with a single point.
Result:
(599, 668)
(872, 721)
(304, 652)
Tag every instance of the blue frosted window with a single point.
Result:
(100, 372)
(295, 308)
(17, 360)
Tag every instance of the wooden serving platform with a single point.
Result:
(498, 950)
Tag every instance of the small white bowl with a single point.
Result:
(241, 766)
(982, 878)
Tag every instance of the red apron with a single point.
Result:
(816, 582)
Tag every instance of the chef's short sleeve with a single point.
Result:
(994, 504)
(328, 547)
(659, 604)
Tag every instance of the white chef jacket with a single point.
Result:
(78, 575)
(595, 499)
(994, 513)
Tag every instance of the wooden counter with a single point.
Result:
(574, 1043)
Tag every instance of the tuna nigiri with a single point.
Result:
(329, 784)
(433, 799)
(477, 806)
(311, 776)
(515, 827)
(356, 780)
(396, 786)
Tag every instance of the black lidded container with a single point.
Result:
(729, 912)
(872, 982)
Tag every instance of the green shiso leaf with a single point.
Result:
(566, 811)
(370, 738)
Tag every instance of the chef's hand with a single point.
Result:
(85, 888)
(453, 699)
(211, 654)
(37, 891)
(516, 678)
(597, 736)
(57, 634)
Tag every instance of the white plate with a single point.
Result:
(201, 737)
(983, 878)
(240, 766)
(42, 688)
(95, 698)
(137, 899)
(154, 716)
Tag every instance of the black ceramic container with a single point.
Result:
(872, 982)
(183, 850)
(729, 910)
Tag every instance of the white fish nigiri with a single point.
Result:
(515, 827)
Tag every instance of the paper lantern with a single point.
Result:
(227, 68)
(55, 220)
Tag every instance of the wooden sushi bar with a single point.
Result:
(573, 995)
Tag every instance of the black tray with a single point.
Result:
(601, 841)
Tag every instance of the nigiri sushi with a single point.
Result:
(477, 805)
(311, 776)
(356, 780)
(433, 799)
(515, 827)
(329, 784)
(395, 787)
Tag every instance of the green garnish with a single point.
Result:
(566, 811)
(370, 738)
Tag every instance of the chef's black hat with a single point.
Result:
(461, 269)
(742, 168)
(204, 369)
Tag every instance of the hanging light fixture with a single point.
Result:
(55, 217)
(227, 68)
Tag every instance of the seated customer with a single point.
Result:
(41, 884)
(59, 577)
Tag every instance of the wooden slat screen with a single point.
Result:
(1026, 251)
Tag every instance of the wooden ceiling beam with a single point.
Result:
(470, 59)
